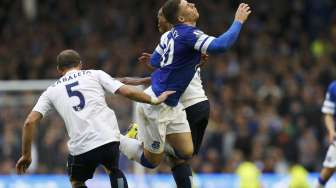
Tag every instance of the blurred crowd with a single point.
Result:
(265, 93)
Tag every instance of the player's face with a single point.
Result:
(188, 11)
(163, 24)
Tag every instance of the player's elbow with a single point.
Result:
(29, 122)
(32, 119)
(126, 91)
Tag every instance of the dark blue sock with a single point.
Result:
(182, 175)
(145, 162)
(321, 181)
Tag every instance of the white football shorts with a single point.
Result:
(157, 121)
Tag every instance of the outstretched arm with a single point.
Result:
(138, 95)
(227, 39)
(27, 138)
(135, 80)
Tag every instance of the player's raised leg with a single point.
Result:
(148, 148)
(155, 122)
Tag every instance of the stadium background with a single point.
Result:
(265, 93)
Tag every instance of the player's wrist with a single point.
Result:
(26, 154)
(238, 21)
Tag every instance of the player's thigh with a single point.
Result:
(81, 167)
(198, 117)
(110, 156)
(178, 133)
(181, 142)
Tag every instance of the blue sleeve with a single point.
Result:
(155, 59)
(332, 92)
(226, 40)
(329, 103)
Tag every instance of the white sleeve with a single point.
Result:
(203, 41)
(109, 84)
(43, 104)
(161, 46)
(159, 49)
(328, 105)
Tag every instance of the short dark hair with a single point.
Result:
(68, 59)
(170, 10)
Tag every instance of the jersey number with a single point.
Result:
(168, 54)
(78, 94)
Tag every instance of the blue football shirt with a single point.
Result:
(330, 100)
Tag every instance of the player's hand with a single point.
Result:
(145, 60)
(331, 137)
(163, 97)
(23, 164)
(204, 59)
(242, 13)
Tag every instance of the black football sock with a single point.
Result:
(182, 175)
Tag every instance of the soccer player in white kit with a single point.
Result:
(79, 97)
(328, 109)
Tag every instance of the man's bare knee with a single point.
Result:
(182, 151)
(187, 153)
(77, 184)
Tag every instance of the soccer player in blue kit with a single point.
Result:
(328, 109)
(176, 58)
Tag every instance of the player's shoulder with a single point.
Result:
(188, 32)
(332, 87)
(165, 35)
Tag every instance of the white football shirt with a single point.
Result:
(194, 92)
(79, 97)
